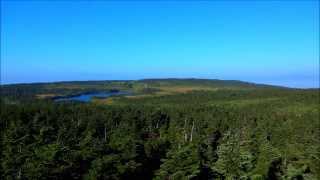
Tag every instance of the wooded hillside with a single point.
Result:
(227, 130)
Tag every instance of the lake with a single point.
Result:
(87, 97)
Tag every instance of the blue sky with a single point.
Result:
(264, 42)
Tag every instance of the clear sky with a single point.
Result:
(264, 42)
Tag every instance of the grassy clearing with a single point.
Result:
(184, 89)
(160, 91)
(45, 96)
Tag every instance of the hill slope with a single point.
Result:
(169, 129)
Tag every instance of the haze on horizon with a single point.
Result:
(264, 42)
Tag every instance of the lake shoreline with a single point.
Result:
(88, 96)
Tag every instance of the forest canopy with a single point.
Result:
(166, 129)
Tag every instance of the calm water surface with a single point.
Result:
(86, 97)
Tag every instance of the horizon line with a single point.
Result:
(138, 79)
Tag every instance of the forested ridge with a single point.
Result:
(237, 131)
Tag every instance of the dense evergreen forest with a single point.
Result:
(168, 129)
